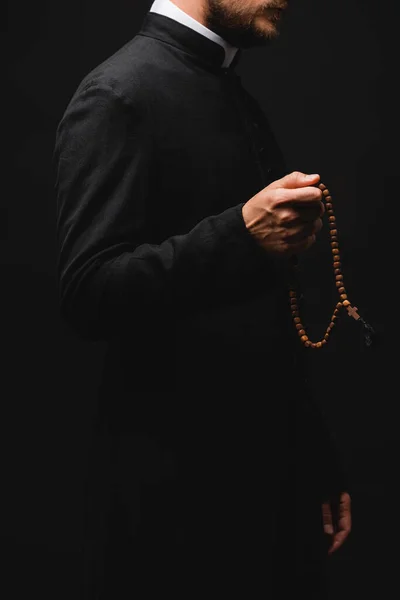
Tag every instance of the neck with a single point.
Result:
(193, 8)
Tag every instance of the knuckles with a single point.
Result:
(286, 217)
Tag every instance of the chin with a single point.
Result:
(265, 28)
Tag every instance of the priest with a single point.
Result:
(212, 472)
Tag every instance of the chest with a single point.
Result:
(212, 151)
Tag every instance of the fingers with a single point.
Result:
(317, 225)
(294, 180)
(286, 215)
(301, 236)
(327, 518)
(310, 211)
(338, 541)
(343, 525)
(298, 229)
(305, 197)
(298, 192)
(304, 245)
(345, 502)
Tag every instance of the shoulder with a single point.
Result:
(132, 74)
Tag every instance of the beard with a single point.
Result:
(235, 26)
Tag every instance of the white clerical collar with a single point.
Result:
(169, 9)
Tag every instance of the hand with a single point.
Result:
(285, 216)
(337, 523)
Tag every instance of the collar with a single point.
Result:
(167, 22)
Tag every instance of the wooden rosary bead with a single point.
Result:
(339, 282)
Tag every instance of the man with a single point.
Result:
(177, 225)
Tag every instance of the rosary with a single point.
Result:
(339, 282)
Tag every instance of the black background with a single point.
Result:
(321, 85)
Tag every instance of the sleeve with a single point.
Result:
(108, 274)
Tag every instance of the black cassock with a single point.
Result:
(209, 459)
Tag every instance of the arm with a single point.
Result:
(108, 273)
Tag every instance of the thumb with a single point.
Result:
(296, 179)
